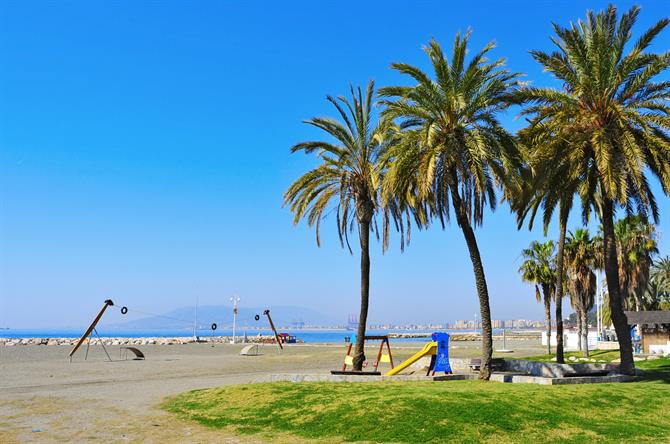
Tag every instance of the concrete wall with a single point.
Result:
(553, 370)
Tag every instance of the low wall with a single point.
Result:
(554, 370)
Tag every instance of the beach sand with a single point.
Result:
(44, 398)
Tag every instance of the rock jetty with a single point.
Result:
(460, 337)
(12, 342)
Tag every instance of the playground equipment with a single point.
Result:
(279, 338)
(123, 353)
(438, 350)
(90, 330)
(280, 347)
(250, 350)
(504, 349)
(381, 357)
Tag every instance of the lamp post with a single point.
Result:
(235, 299)
(598, 326)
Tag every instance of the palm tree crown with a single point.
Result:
(657, 295)
(452, 139)
(350, 172)
(538, 265)
(610, 121)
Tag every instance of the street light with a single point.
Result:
(235, 299)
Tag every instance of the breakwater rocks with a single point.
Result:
(11, 342)
(462, 337)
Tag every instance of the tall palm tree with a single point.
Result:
(539, 268)
(348, 178)
(610, 121)
(580, 258)
(452, 150)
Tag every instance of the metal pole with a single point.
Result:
(234, 300)
(102, 344)
(195, 320)
(597, 312)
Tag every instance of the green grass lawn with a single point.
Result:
(456, 411)
(599, 356)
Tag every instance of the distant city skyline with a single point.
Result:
(144, 152)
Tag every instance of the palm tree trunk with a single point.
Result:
(560, 358)
(616, 304)
(359, 352)
(585, 332)
(480, 282)
(578, 312)
(547, 314)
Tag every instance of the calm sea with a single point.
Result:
(310, 336)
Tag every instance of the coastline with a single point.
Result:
(249, 339)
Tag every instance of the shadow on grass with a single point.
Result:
(656, 371)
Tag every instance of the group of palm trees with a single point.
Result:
(643, 278)
(438, 146)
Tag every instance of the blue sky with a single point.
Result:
(144, 151)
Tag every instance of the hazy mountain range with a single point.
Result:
(222, 315)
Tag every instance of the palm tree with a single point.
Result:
(538, 267)
(610, 122)
(636, 245)
(657, 295)
(580, 258)
(546, 183)
(349, 177)
(452, 150)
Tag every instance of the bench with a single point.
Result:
(497, 364)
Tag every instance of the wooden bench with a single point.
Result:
(497, 364)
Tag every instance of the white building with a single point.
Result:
(571, 339)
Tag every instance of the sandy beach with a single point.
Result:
(47, 399)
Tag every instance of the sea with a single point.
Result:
(306, 335)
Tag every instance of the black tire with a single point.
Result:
(124, 310)
(257, 317)
(214, 326)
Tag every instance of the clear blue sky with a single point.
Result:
(144, 151)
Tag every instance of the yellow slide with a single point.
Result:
(429, 349)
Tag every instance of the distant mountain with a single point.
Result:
(222, 315)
